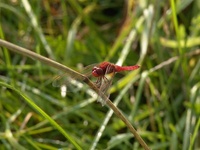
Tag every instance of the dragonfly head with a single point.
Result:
(97, 72)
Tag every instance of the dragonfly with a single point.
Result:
(104, 72)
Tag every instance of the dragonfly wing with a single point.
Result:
(64, 79)
(60, 80)
(106, 83)
(104, 89)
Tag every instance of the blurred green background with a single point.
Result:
(161, 99)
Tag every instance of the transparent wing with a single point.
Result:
(104, 89)
(106, 82)
(65, 79)
(60, 80)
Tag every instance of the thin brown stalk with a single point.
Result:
(82, 77)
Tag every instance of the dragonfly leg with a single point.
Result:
(105, 79)
(98, 82)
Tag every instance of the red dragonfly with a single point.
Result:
(105, 72)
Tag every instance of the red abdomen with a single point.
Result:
(126, 68)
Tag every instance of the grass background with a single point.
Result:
(161, 99)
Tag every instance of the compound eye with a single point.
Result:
(94, 69)
(97, 72)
